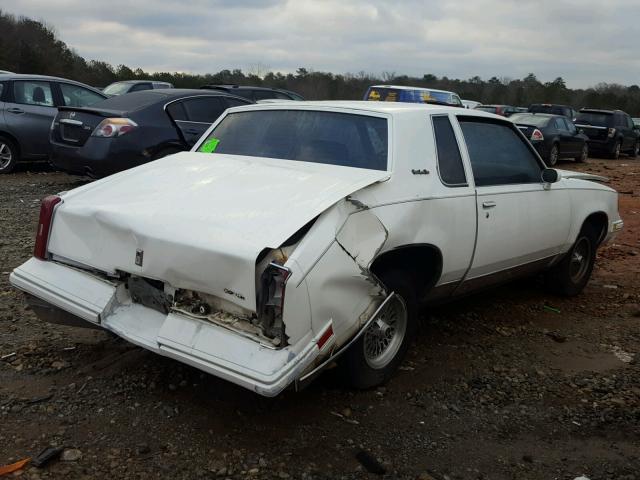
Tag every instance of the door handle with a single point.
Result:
(488, 204)
(15, 110)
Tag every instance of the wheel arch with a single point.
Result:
(600, 222)
(4, 133)
(422, 262)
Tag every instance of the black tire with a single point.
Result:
(9, 155)
(584, 154)
(356, 363)
(615, 151)
(554, 153)
(633, 153)
(572, 273)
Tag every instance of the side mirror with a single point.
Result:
(550, 175)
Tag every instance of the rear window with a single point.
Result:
(118, 88)
(410, 96)
(535, 120)
(332, 138)
(133, 101)
(593, 118)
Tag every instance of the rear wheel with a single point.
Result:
(615, 151)
(553, 154)
(584, 154)
(571, 275)
(376, 355)
(9, 155)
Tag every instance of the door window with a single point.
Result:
(498, 154)
(33, 93)
(204, 109)
(559, 124)
(176, 111)
(75, 96)
(138, 87)
(449, 159)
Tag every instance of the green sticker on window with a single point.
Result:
(209, 146)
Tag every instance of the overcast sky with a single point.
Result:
(583, 41)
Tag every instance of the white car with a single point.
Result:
(299, 233)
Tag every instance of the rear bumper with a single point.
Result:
(79, 295)
(601, 146)
(98, 157)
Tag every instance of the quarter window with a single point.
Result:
(33, 93)
(498, 154)
(449, 159)
(205, 109)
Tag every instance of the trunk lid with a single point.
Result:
(198, 221)
(74, 126)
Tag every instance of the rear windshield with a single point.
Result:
(535, 120)
(487, 109)
(402, 95)
(553, 109)
(592, 118)
(345, 139)
(118, 88)
(132, 101)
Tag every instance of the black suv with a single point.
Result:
(610, 131)
(256, 93)
(553, 109)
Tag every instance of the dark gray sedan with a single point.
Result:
(28, 105)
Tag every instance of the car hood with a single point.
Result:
(198, 221)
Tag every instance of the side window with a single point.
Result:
(559, 124)
(281, 96)
(620, 120)
(33, 93)
(570, 126)
(629, 121)
(456, 100)
(141, 86)
(75, 96)
(263, 94)
(449, 159)
(204, 109)
(499, 156)
(176, 111)
(234, 102)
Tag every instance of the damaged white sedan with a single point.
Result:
(293, 235)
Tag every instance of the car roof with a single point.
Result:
(391, 108)
(541, 115)
(213, 86)
(139, 81)
(598, 110)
(404, 87)
(26, 76)
(549, 105)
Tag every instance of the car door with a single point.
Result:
(567, 146)
(630, 132)
(574, 139)
(28, 115)
(194, 115)
(522, 223)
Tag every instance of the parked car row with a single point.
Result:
(87, 131)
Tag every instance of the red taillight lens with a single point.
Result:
(114, 127)
(537, 135)
(47, 207)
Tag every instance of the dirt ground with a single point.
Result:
(510, 384)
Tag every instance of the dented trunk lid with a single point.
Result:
(198, 221)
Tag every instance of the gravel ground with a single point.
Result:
(509, 384)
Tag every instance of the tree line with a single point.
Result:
(30, 46)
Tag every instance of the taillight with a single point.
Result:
(537, 135)
(47, 207)
(611, 132)
(280, 276)
(114, 127)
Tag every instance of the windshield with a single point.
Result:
(332, 138)
(535, 120)
(384, 94)
(597, 119)
(117, 88)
